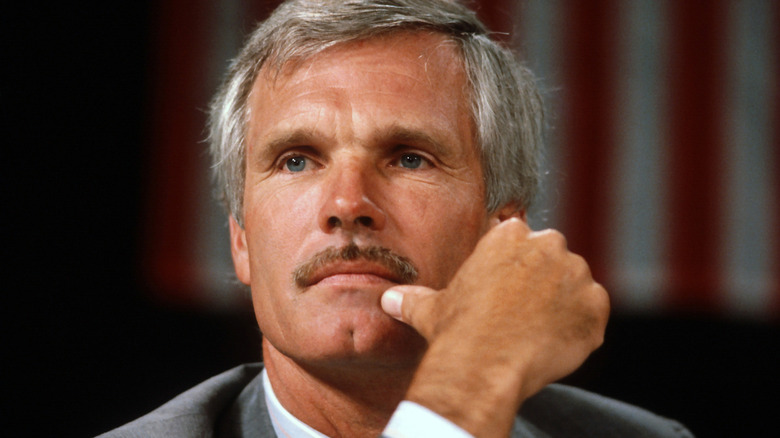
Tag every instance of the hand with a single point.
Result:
(520, 313)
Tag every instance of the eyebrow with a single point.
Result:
(297, 137)
(402, 135)
(395, 134)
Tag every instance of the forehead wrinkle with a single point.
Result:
(446, 52)
(444, 48)
(442, 56)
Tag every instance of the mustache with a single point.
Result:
(399, 266)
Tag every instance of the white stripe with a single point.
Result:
(540, 42)
(750, 216)
(638, 179)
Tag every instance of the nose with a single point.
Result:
(348, 200)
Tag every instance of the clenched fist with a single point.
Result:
(520, 313)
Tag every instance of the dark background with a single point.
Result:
(89, 350)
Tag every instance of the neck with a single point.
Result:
(355, 400)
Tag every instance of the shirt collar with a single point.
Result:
(285, 424)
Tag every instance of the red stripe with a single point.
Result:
(590, 86)
(177, 125)
(696, 151)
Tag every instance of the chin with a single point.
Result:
(395, 343)
(378, 343)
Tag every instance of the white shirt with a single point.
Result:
(409, 420)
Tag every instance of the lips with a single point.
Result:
(352, 271)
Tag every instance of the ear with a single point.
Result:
(239, 251)
(506, 212)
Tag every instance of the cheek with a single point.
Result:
(442, 228)
(277, 214)
(280, 219)
(458, 236)
(279, 222)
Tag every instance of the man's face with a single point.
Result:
(369, 143)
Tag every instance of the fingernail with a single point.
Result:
(391, 303)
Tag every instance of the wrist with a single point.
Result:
(478, 394)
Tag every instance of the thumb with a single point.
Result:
(411, 305)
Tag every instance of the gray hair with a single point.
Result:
(505, 104)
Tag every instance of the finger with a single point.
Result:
(409, 304)
(510, 230)
(516, 223)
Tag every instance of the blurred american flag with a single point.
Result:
(662, 155)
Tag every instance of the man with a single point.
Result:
(376, 158)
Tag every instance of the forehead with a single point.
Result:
(425, 49)
(420, 75)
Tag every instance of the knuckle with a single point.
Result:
(597, 305)
(550, 239)
(605, 305)
(598, 340)
(580, 266)
(514, 230)
(557, 238)
(601, 304)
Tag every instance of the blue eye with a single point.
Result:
(411, 161)
(295, 164)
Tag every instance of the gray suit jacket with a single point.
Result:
(232, 405)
